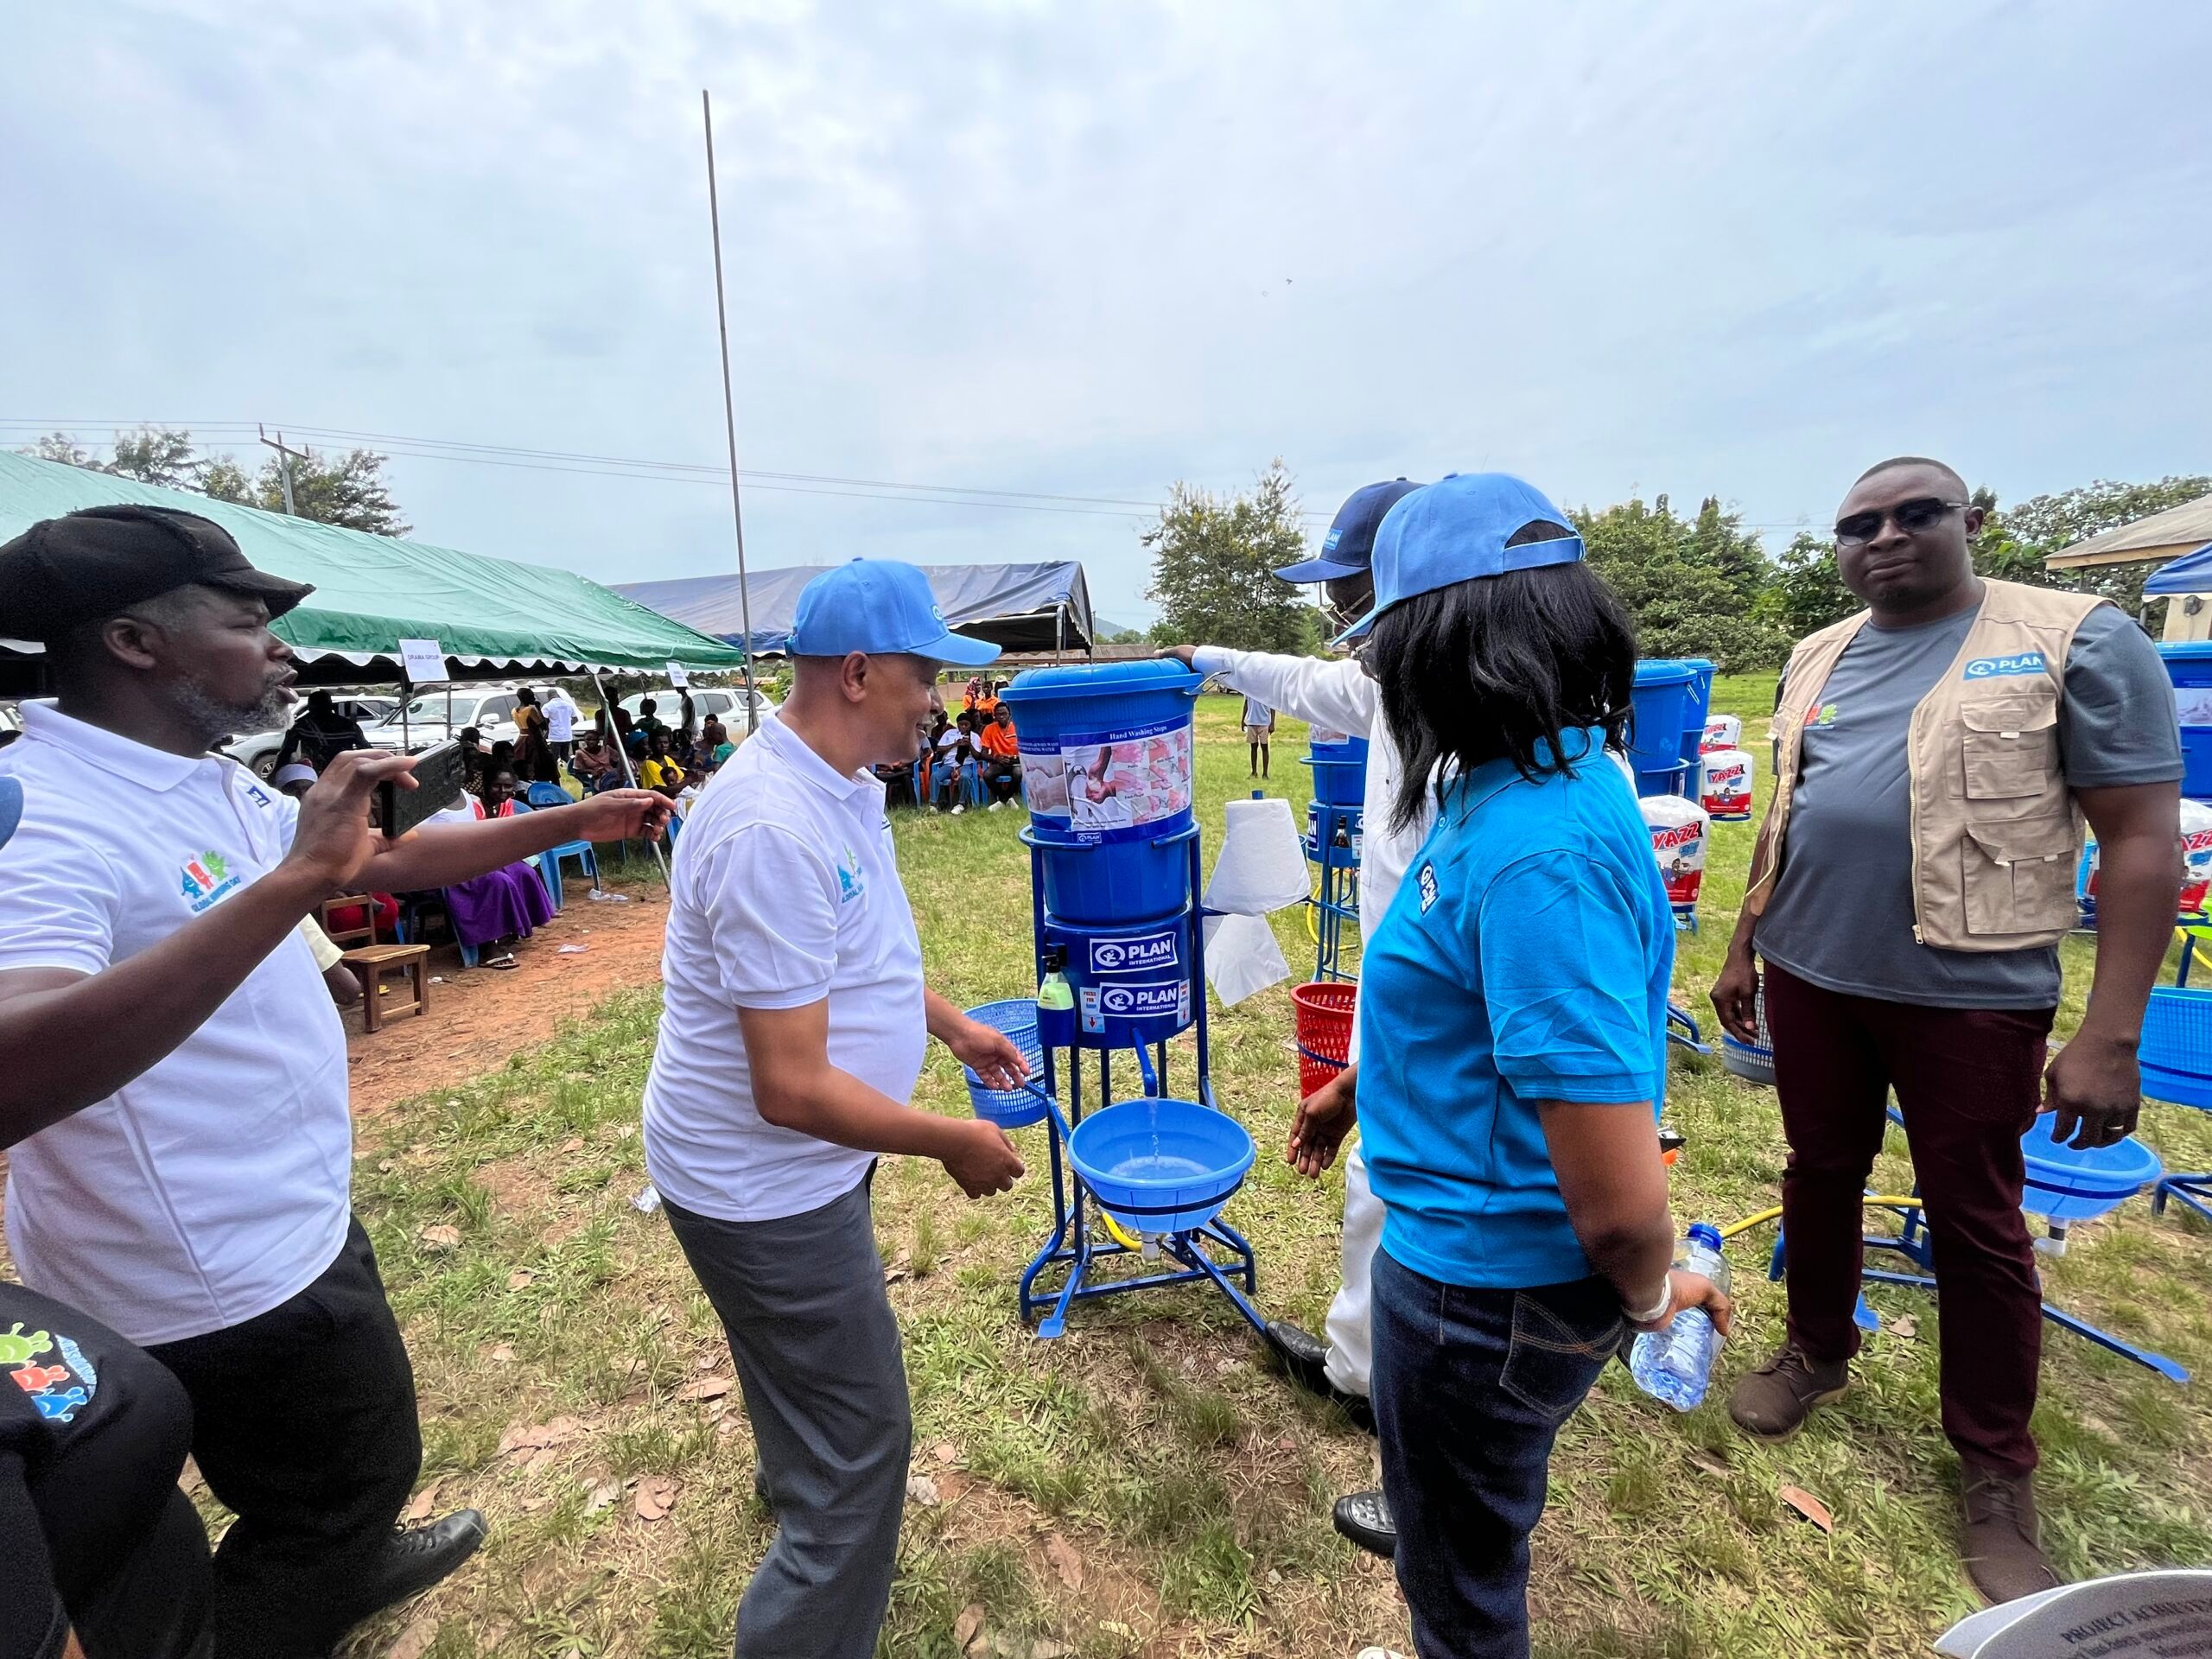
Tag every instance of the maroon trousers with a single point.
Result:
(1968, 1081)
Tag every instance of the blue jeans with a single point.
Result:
(1469, 1388)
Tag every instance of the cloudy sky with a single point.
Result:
(1082, 252)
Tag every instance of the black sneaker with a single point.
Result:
(1365, 1518)
(418, 1557)
(1305, 1359)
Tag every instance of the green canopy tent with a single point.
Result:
(494, 618)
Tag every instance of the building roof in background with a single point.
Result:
(2166, 535)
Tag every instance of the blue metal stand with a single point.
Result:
(1911, 1241)
(1335, 847)
(1215, 1252)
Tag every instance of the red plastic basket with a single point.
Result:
(1324, 1028)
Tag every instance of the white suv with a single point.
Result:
(489, 709)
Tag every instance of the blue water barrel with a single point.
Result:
(1664, 695)
(1339, 771)
(1107, 771)
(2189, 665)
(1700, 706)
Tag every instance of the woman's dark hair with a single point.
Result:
(1498, 667)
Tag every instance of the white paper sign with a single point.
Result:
(424, 661)
(678, 678)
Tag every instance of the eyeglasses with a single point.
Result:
(1911, 517)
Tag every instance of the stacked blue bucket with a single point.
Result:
(2189, 665)
(1108, 772)
(1671, 698)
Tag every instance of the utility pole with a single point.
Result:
(283, 463)
(730, 414)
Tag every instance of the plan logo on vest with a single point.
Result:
(207, 879)
(1144, 950)
(1824, 714)
(1989, 668)
(1427, 880)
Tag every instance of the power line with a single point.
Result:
(631, 466)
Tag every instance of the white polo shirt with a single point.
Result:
(786, 894)
(213, 1187)
(560, 720)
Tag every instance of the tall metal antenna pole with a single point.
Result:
(729, 414)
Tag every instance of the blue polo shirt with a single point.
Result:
(1526, 958)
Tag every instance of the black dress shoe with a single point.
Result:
(1365, 1518)
(418, 1557)
(1305, 1359)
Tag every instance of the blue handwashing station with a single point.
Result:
(1108, 772)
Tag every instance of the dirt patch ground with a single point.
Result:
(478, 1016)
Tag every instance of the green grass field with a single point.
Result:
(1148, 1486)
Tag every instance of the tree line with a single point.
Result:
(1697, 585)
(348, 490)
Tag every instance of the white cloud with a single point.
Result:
(1738, 248)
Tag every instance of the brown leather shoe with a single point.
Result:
(2003, 1555)
(1773, 1400)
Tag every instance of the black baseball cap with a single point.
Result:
(62, 573)
(1349, 544)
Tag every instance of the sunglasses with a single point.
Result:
(1912, 517)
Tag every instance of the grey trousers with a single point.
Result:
(817, 1355)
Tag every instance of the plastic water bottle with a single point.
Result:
(1675, 1364)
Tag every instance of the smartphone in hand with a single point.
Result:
(439, 773)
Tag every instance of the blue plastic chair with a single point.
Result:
(2176, 1055)
(547, 795)
(413, 906)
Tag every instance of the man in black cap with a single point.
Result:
(167, 1047)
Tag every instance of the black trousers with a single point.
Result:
(305, 1426)
(124, 1548)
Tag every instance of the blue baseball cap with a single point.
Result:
(881, 606)
(1351, 540)
(1456, 529)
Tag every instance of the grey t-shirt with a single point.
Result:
(1841, 914)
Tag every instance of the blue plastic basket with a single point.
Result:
(2066, 1185)
(2176, 1048)
(1010, 1109)
(1161, 1166)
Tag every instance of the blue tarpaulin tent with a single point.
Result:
(2189, 574)
(1022, 606)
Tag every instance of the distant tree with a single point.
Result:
(1693, 589)
(1809, 592)
(2045, 524)
(60, 446)
(348, 490)
(162, 455)
(1214, 560)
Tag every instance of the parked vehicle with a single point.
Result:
(725, 701)
(258, 750)
(489, 709)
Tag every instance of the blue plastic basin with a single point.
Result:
(1107, 769)
(1010, 1109)
(1161, 1165)
(2069, 1185)
(1339, 771)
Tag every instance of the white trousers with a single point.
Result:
(1351, 1342)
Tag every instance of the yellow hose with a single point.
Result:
(1880, 1201)
(1120, 1235)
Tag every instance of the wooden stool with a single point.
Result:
(371, 962)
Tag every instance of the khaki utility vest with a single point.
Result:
(1996, 834)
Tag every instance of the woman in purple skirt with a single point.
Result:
(499, 908)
